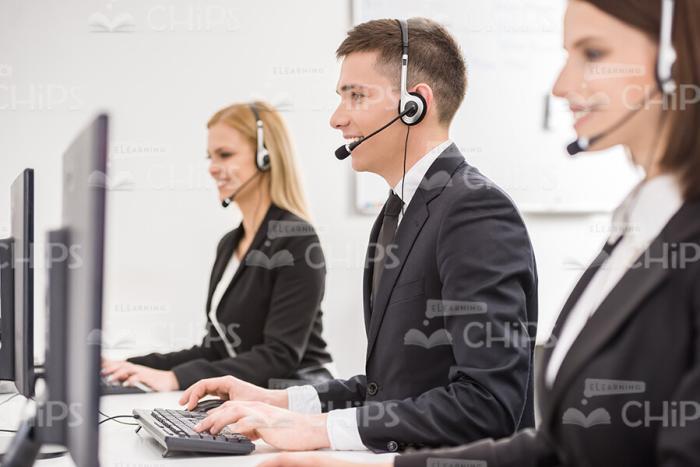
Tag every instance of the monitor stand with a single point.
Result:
(24, 448)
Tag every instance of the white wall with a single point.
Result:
(172, 65)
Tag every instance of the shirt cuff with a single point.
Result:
(343, 431)
(303, 399)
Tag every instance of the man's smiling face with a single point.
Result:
(368, 100)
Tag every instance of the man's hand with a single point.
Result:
(233, 389)
(314, 460)
(280, 428)
(158, 380)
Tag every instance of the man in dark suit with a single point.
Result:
(450, 285)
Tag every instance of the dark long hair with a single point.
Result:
(682, 154)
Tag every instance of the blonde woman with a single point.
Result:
(264, 318)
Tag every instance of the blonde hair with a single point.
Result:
(283, 177)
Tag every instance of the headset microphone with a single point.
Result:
(344, 151)
(582, 144)
(226, 202)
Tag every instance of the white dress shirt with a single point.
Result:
(414, 175)
(216, 297)
(638, 220)
(341, 424)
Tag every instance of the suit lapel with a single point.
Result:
(569, 305)
(273, 213)
(620, 304)
(417, 213)
(543, 393)
(222, 260)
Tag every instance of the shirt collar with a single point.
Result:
(647, 209)
(414, 175)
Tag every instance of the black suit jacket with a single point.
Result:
(271, 311)
(434, 378)
(628, 391)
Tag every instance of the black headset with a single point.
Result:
(410, 118)
(262, 155)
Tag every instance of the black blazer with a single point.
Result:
(271, 311)
(645, 336)
(432, 379)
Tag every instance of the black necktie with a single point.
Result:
(392, 209)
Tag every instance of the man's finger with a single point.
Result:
(203, 425)
(220, 421)
(253, 436)
(231, 416)
(187, 396)
(210, 421)
(194, 393)
(206, 387)
(247, 426)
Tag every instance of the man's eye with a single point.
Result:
(225, 155)
(356, 96)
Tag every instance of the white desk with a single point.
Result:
(121, 447)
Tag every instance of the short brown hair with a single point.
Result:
(682, 155)
(434, 57)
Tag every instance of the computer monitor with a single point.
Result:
(17, 301)
(7, 312)
(67, 413)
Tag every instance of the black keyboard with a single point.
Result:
(174, 430)
(110, 388)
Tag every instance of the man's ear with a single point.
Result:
(427, 92)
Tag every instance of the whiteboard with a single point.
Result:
(509, 126)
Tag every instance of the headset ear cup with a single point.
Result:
(420, 113)
(264, 161)
(422, 109)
